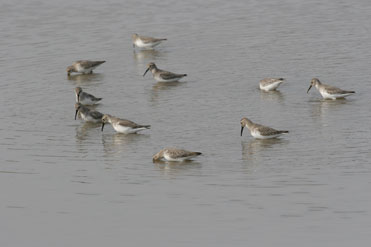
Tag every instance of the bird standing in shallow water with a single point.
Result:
(85, 98)
(122, 125)
(270, 84)
(145, 42)
(162, 75)
(173, 154)
(329, 92)
(87, 114)
(83, 66)
(260, 131)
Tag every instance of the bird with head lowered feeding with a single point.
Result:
(270, 84)
(174, 154)
(260, 131)
(83, 66)
(145, 42)
(87, 114)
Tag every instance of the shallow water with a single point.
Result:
(65, 183)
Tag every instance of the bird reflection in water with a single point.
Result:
(83, 78)
(171, 168)
(164, 87)
(83, 131)
(272, 95)
(255, 150)
(114, 144)
(147, 55)
(322, 107)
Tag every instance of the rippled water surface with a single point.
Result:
(66, 183)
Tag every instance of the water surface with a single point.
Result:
(65, 183)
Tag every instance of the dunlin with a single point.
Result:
(260, 131)
(87, 114)
(173, 154)
(270, 84)
(85, 98)
(162, 75)
(145, 42)
(83, 66)
(122, 125)
(329, 92)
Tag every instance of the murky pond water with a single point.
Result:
(66, 183)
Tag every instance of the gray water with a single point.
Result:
(65, 183)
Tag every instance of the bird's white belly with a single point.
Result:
(139, 43)
(256, 134)
(271, 86)
(126, 130)
(159, 79)
(122, 129)
(326, 95)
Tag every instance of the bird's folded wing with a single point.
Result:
(178, 153)
(128, 123)
(335, 90)
(268, 81)
(88, 64)
(168, 75)
(266, 131)
(146, 40)
(96, 114)
(87, 96)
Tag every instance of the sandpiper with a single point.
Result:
(162, 75)
(87, 114)
(173, 154)
(329, 92)
(83, 66)
(122, 125)
(145, 42)
(85, 98)
(260, 131)
(270, 84)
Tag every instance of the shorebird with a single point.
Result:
(270, 84)
(83, 66)
(162, 75)
(85, 98)
(260, 131)
(329, 92)
(87, 114)
(122, 125)
(145, 42)
(173, 154)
